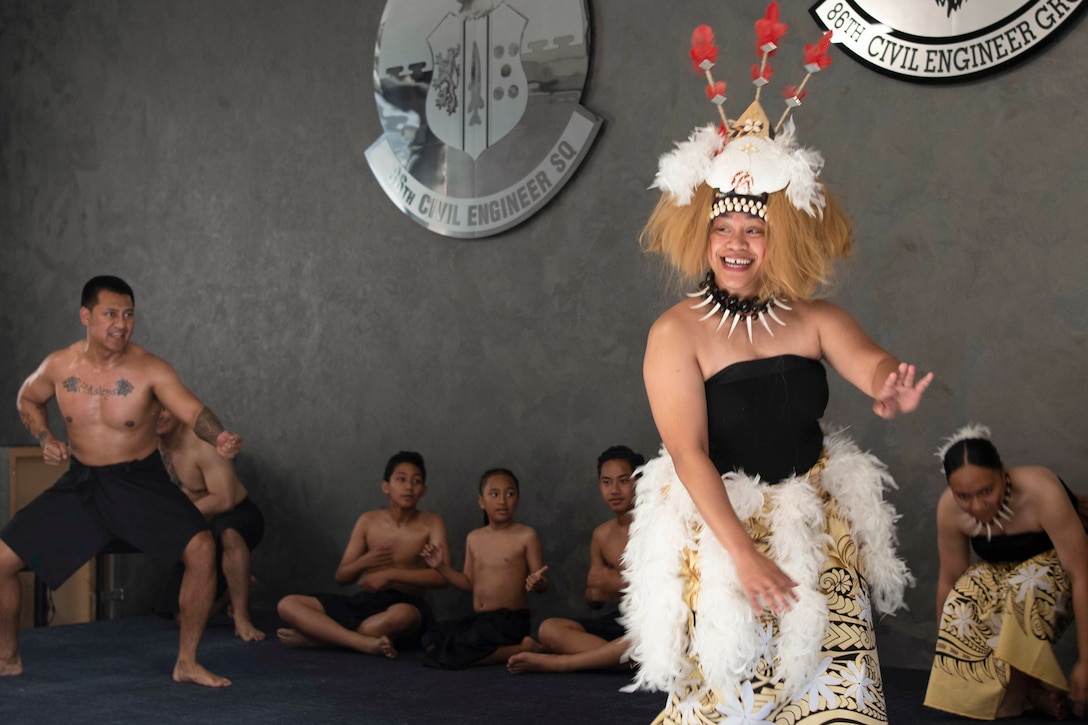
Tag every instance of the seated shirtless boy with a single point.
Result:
(594, 643)
(503, 561)
(383, 558)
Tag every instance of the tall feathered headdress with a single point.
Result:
(746, 159)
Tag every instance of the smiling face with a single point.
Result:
(978, 491)
(736, 247)
(499, 498)
(617, 486)
(110, 321)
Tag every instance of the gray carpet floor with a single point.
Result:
(119, 672)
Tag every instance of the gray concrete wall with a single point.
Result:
(212, 154)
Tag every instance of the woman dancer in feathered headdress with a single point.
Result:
(759, 544)
(999, 616)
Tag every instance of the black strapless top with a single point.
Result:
(1016, 547)
(764, 416)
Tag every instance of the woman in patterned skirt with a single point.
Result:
(1000, 616)
(760, 544)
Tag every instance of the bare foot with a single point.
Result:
(195, 673)
(386, 647)
(247, 632)
(294, 638)
(371, 645)
(531, 645)
(1051, 702)
(12, 667)
(533, 662)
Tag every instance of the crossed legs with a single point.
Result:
(569, 648)
(310, 626)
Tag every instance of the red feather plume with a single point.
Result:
(817, 54)
(718, 89)
(703, 48)
(768, 71)
(768, 29)
(791, 92)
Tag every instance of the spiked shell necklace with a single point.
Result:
(1004, 514)
(729, 305)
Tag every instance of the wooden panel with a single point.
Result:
(73, 602)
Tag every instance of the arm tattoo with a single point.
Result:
(207, 426)
(40, 434)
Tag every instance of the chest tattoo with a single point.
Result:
(74, 385)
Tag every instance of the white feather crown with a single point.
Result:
(968, 432)
(746, 157)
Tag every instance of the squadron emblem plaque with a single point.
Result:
(944, 41)
(479, 102)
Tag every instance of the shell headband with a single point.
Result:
(746, 159)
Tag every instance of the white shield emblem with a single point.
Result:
(478, 89)
(480, 109)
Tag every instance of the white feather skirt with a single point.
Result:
(691, 630)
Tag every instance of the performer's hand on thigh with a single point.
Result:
(769, 589)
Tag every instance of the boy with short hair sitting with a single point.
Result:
(594, 643)
(383, 558)
(503, 561)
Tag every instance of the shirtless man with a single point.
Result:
(237, 524)
(592, 644)
(382, 557)
(503, 561)
(109, 391)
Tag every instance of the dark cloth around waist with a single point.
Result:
(606, 626)
(457, 644)
(245, 518)
(89, 506)
(349, 611)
